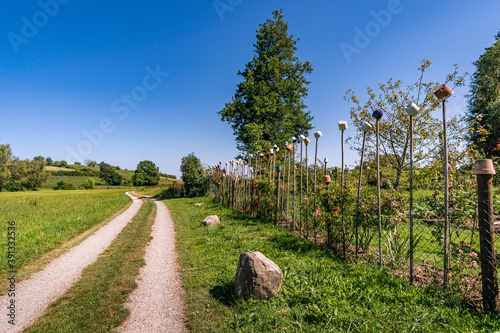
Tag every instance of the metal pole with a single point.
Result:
(294, 187)
(359, 190)
(301, 203)
(278, 198)
(307, 188)
(411, 199)
(315, 163)
(342, 192)
(378, 197)
(446, 198)
(288, 190)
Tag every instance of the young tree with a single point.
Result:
(394, 126)
(146, 174)
(49, 161)
(192, 176)
(484, 101)
(268, 106)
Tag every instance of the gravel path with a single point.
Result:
(34, 295)
(157, 304)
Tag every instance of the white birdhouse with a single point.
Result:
(366, 127)
(317, 134)
(412, 109)
(342, 125)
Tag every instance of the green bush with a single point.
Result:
(13, 186)
(89, 185)
(64, 186)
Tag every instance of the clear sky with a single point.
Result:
(125, 81)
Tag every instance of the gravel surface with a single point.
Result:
(33, 296)
(157, 304)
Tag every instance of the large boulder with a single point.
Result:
(211, 220)
(257, 276)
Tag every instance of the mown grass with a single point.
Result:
(321, 292)
(95, 303)
(47, 219)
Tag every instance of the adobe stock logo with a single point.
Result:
(372, 29)
(225, 6)
(30, 28)
(120, 106)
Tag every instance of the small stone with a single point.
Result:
(257, 276)
(211, 220)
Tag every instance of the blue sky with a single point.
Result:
(127, 81)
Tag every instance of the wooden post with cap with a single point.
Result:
(484, 170)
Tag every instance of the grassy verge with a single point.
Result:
(320, 293)
(48, 220)
(95, 303)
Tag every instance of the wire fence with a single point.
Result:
(427, 248)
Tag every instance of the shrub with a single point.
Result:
(109, 174)
(64, 186)
(89, 185)
(13, 186)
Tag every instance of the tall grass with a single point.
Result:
(321, 292)
(47, 219)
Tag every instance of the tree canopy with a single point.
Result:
(192, 176)
(268, 106)
(109, 174)
(394, 125)
(484, 101)
(146, 174)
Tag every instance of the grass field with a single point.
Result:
(46, 219)
(79, 181)
(321, 292)
(95, 303)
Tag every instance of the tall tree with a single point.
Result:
(5, 157)
(268, 106)
(192, 176)
(394, 126)
(484, 101)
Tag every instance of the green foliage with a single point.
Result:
(484, 101)
(146, 174)
(49, 161)
(109, 174)
(5, 156)
(192, 176)
(393, 98)
(91, 163)
(61, 164)
(61, 185)
(268, 106)
(89, 185)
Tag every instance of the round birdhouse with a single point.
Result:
(325, 160)
(301, 138)
(317, 134)
(294, 139)
(289, 147)
(327, 179)
(377, 114)
(307, 141)
(278, 168)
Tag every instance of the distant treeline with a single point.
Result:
(76, 173)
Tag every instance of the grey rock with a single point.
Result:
(257, 276)
(211, 220)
